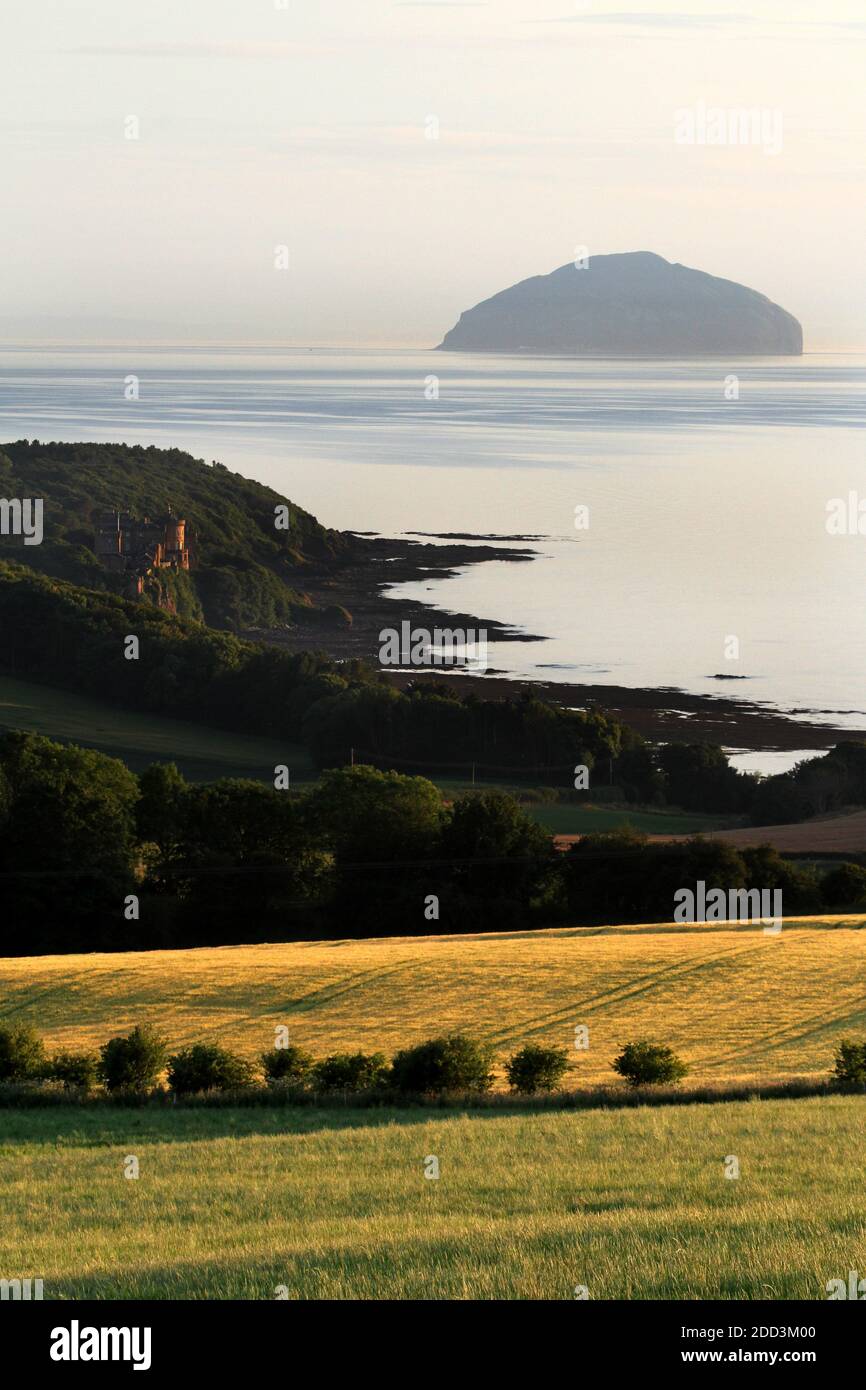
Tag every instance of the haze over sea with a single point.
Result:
(707, 516)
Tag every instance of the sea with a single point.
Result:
(694, 525)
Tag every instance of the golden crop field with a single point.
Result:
(736, 1003)
(260, 1203)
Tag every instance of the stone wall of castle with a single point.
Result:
(126, 544)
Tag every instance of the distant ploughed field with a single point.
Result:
(830, 834)
(845, 834)
(734, 1002)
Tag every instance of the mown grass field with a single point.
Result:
(628, 1204)
(735, 1003)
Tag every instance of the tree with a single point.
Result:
(133, 1062)
(639, 775)
(781, 800)
(287, 1066)
(535, 1068)
(649, 1064)
(452, 1063)
(606, 878)
(382, 829)
(844, 886)
(67, 854)
(351, 1071)
(365, 718)
(849, 1067)
(208, 1067)
(22, 1054)
(374, 817)
(699, 778)
(242, 851)
(160, 807)
(498, 860)
(77, 1070)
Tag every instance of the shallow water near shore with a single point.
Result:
(706, 515)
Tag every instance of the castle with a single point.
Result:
(138, 545)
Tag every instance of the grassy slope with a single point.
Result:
(631, 1204)
(735, 1003)
(139, 739)
(245, 572)
(563, 819)
(232, 516)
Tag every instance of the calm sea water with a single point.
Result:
(707, 516)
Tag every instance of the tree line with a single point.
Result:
(93, 856)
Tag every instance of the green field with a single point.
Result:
(202, 754)
(561, 818)
(628, 1203)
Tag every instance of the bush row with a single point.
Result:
(440, 1066)
(453, 1064)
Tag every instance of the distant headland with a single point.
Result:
(635, 304)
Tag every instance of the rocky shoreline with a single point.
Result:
(355, 583)
(664, 714)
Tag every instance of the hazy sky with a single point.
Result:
(306, 124)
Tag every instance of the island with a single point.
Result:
(634, 304)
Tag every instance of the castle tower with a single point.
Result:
(176, 552)
(175, 532)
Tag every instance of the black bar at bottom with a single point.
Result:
(279, 1337)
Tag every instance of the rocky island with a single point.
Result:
(635, 304)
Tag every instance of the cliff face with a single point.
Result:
(631, 305)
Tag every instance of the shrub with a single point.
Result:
(133, 1062)
(453, 1063)
(355, 1071)
(22, 1054)
(287, 1066)
(207, 1067)
(79, 1069)
(536, 1068)
(649, 1064)
(849, 1067)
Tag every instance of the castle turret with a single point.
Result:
(174, 534)
(176, 552)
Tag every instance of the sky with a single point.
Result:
(411, 157)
